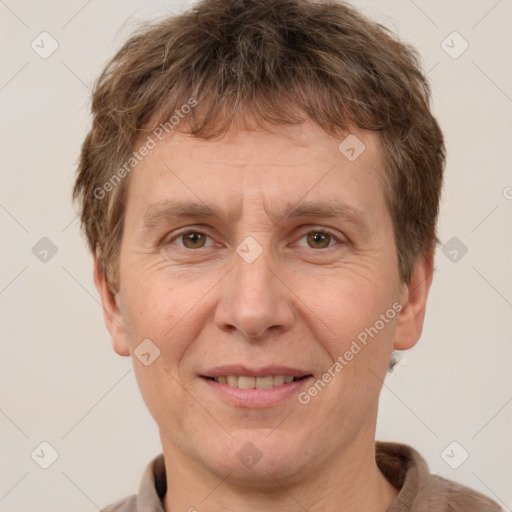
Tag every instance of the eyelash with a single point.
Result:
(198, 231)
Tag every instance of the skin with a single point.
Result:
(301, 303)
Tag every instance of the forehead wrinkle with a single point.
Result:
(167, 210)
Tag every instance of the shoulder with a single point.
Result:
(128, 504)
(448, 496)
(419, 490)
(152, 489)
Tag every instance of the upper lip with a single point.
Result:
(238, 370)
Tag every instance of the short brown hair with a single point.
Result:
(278, 62)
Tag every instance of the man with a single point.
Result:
(260, 190)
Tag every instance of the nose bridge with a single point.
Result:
(255, 301)
(253, 274)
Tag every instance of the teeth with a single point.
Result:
(278, 380)
(246, 382)
(265, 382)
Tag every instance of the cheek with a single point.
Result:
(158, 298)
(362, 319)
(159, 310)
(168, 310)
(350, 305)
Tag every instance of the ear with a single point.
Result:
(409, 324)
(111, 311)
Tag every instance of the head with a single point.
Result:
(302, 133)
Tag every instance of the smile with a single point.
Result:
(248, 382)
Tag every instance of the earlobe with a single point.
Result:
(409, 324)
(112, 313)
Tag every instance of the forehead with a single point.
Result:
(288, 164)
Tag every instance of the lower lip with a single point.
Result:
(257, 397)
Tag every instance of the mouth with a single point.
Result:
(244, 387)
(250, 382)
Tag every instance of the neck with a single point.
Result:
(351, 481)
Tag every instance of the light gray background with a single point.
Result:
(62, 383)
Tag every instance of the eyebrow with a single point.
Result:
(166, 211)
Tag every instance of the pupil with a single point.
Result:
(194, 238)
(318, 238)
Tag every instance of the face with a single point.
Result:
(254, 260)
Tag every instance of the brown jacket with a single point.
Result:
(401, 465)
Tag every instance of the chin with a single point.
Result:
(259, 458)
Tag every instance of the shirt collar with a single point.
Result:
(153, 486)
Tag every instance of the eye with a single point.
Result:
(320, 239)
(191, 239)
(195, 239)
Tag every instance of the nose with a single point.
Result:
(255, 301)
